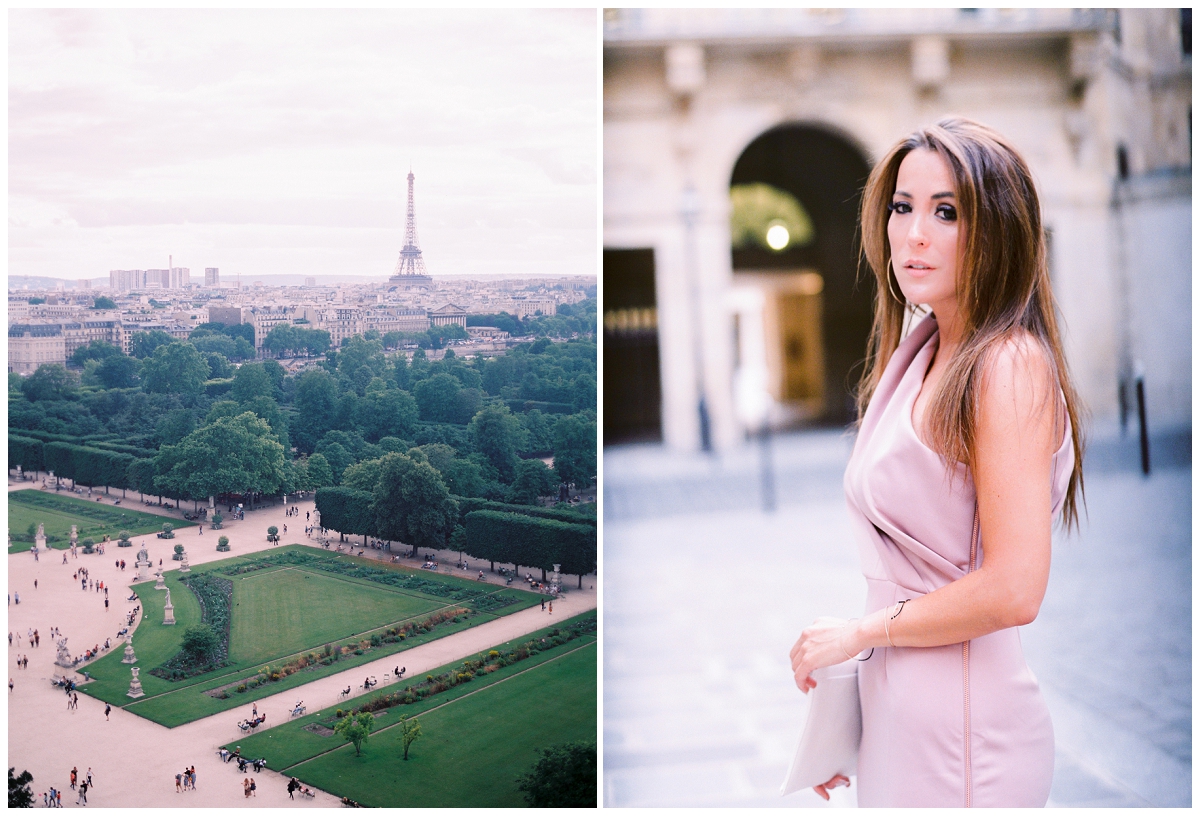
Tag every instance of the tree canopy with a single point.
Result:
(231, 455)
(564, 777)
(175, 368)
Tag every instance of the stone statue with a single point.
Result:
(64, 657)
(39, 541)
(143, 563)
(74, 535)
(168, 611)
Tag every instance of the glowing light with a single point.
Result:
(778, 237)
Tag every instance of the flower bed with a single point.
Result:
(216, 599)
(487, 664)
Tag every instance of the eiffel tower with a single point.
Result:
(410, 268)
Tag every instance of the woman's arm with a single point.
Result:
(1017, 433)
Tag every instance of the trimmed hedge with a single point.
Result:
(535, 542)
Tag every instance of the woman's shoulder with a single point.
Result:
(1018, 382)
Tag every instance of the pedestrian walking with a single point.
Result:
(254, 710)
(37, 639)
(82, 794)
(106, 604)
(552, 607)
(107, 709)
(179, 783)
(201, 529)
(58, 798)
(17, 598)
(35, 583)
(543, 604)
(246, 788)
(253, 788)
(192, 771)
(91, 784)
(10, 685)
(74, 777)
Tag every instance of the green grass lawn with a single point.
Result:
(278, 612)
(289, 610)
(58, 513)
(473, 748)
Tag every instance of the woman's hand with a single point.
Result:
(837, 782)
(827, 642)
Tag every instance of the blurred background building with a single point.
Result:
(736, 146)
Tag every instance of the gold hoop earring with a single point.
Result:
(891, 275)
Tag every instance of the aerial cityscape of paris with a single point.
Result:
(302, 403)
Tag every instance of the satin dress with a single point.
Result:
(956, 725)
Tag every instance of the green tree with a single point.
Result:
(50, 382)
(564, 777)
(200, 641)
(533, 479)
(139, 475)
(355, 728)
(319, 473)
(175, 368)
(174, 426)
(583, 393)
(144, 344)
(118, 371)
(19, 794)
(232, 455)
(218, 365)
(316, 403)
(95, 350)
(251, 380)
(104, 303)
(411, 503)
(410, 732)
(575, 450)
(498, 435)
(362, 476)
(437, 398)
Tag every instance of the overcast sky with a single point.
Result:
(267, 142)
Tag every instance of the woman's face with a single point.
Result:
(923, 231)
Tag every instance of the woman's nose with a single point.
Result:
(916, 232)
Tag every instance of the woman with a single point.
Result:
(964, 455)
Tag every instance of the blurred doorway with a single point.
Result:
(632, 382)
(795, 194)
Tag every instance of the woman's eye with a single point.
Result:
(947, 213)
(901, 207)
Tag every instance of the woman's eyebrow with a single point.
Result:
(942, 195)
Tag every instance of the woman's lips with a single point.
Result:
(919, 271)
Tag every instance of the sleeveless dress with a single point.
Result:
(956, 725)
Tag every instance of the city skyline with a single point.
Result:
(267, 143)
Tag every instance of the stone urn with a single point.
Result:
(135, 685)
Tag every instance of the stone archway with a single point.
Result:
(825, 172)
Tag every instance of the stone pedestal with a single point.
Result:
(159, 582)
(135, 685)
(168, 611)
(183, 563)
(129, 657)
(74, 536)
(39, 541)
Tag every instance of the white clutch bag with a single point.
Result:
(832, 731)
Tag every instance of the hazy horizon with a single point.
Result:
(278, 142)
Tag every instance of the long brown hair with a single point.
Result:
(1003, 283)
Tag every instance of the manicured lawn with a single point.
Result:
(471, 750)
(279, 612)
(289, 610)
(58, 513)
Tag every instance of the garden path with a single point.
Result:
(133, 760)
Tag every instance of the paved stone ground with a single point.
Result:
(133, 760)
(705, 594)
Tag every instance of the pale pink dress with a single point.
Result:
(913, 526)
